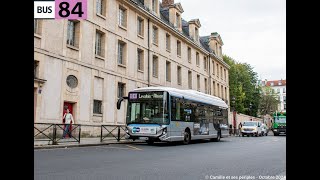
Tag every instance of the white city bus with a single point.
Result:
(169, 114)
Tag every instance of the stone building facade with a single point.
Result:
(122, 45)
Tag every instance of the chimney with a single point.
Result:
(216, 43)
(194, 26)
(166, 3)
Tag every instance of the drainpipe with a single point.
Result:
(209, 80)
(148, 52)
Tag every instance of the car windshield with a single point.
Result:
(250, 123)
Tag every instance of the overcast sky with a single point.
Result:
(253, 31)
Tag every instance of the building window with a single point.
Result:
(140, 59)
(178, 20)
(190, 79)
(220, 52)
(72, 81)
(198, 82)
(189, 54)
(221, 73)
(221, 91)
(225, 74)
(122, 16)
(121, 89)
(179, 48)
(214, 88)
(197, 59)
(271, 84)
(205, 63)
(278, 90)
(225, 93)
(285, 99)
(97, 95)
(218, 90)
(121, 52)
(168, 71)
(140, 27)
(155, 66)
(101, 7)
(97, 104)
(36, 69)
(284, 90)
(216, 48)
(285, 106)
(37, 26)
(179, 75)
(168, 43)
(99, 45)
(73, 33)
(279, 83)
(155, 6)
(213, 68)
(155, 35)
(217, 70)
(206, 85)
(197, 33)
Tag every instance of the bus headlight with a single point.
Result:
(164, 131)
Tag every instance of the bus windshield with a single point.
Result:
(148, 108)
(280, 119)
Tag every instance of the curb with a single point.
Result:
(82, 145)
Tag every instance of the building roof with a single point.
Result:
(188, 94)
(204, 41)
(164, 17)
(275, 83)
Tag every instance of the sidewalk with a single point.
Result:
(65, 143)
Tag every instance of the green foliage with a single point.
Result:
(268, 102)
(243, 87)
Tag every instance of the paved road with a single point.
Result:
(248, 157)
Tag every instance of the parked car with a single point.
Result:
(264, 130)
(251, 128)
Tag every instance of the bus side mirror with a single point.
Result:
(119, 102)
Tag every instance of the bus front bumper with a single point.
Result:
(161, 137)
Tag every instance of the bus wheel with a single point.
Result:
(186, 138)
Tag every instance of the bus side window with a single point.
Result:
(176, 109)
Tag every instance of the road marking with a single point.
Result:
(134, 147)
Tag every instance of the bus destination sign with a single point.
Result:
(146, 96)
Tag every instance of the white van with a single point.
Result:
(251, 128)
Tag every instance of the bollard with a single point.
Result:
(54, 141)
(118, 133)
(101, 133)
(79, 133)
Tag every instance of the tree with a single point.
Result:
(243, 87)
(268, 102)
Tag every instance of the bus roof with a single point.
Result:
(188, 94)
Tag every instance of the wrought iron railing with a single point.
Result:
(53, 133)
